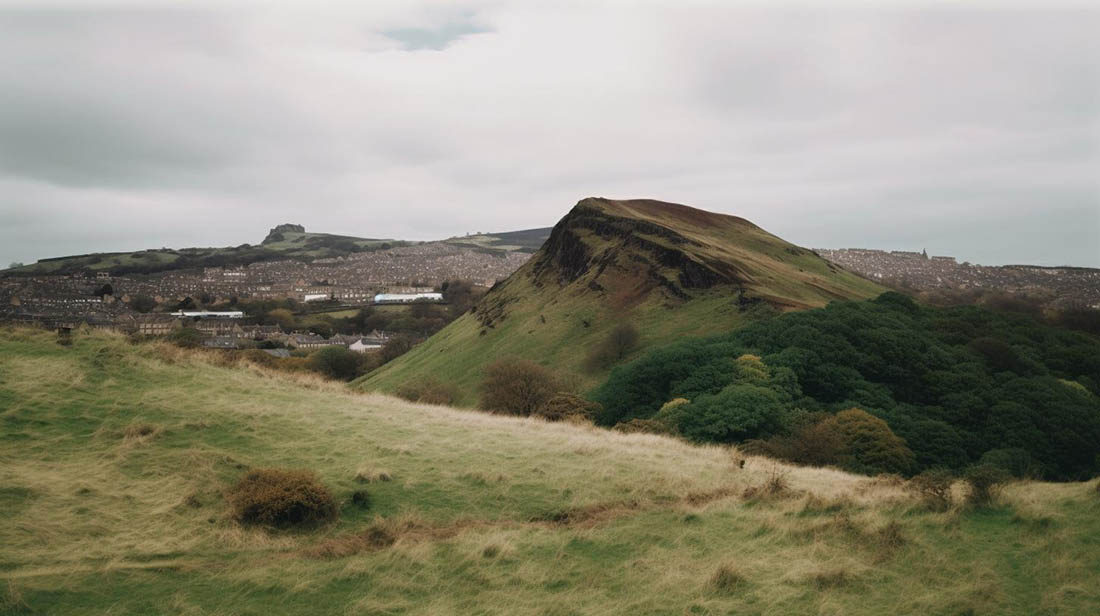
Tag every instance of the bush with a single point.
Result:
(736, 413)
(648, 426)
(281, 498)
(985, 482)
(1015, 461)
(564, 405)
(813, 442)
(869, 444)
(516, 386)
(336, 362)
(933, 487)
(619, 343)
(428, 391)
(186, 337)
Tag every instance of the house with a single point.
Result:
(156, 324)
(363, 345)
(219, 327)
(309, 341)
(280, 353)
(260, 332)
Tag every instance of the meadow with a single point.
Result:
(116, 460)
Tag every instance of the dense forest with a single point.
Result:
(881, 385)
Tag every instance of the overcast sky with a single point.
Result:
(137, 125)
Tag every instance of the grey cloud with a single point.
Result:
(126, 128)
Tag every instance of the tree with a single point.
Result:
(395, 347)
(622, 339)
(143, 303)
(516, 386)
(106, 289)
(335, 362)
(739, 412)
(15, 264)
(281, 317)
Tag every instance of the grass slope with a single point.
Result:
(487, 514)
(671, 270)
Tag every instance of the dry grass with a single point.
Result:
(488, 513)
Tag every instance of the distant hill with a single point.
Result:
(286, 241)
(283, 242)
(669, 269)
(528, 240)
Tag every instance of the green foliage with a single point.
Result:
(186, 337)
(517, 386)
(281, 498)
(336, 362)
(869, 446)
(952, 383)
(736, 413)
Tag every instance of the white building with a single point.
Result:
(406, 298)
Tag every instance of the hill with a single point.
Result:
(527, 240)
(283, 242)
(117, 459)
(669, 269)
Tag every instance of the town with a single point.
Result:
(1066, 286)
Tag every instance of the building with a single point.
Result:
(156, 324)
(406, 298)
(209, 314)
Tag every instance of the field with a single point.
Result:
(116, 459)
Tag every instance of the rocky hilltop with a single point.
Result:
(668, 269)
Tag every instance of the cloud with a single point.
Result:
(961, 131)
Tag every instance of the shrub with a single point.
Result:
(517, 386)
(726, 580)
(813, 442)
(1014, 461)
(738, 412)
(186, 337)
(933, 487)
(619, 343)
(428, 390)
(565, 405)
(335, 362)
(985, 483)
(869, 444)
(361, 499)
(649, 426)
(281, 498)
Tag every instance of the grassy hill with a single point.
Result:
(116, 459)
(669, 269)
(287, 244)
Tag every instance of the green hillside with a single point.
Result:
(116, 460)
(670, 270)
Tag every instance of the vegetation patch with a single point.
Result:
(428, 390)
(726, 580)
(281, 498)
